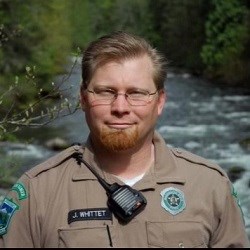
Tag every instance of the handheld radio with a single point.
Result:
(124, 201)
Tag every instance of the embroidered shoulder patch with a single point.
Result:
(7, 209)
(235, 195)
(21, 190)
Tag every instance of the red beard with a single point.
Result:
(119, 140)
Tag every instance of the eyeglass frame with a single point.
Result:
(127, 96)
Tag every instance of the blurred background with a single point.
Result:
(207, 44)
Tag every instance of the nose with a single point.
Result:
(120, 103)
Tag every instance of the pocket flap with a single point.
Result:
(175, 234)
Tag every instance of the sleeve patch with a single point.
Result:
(21, 190)
(235, 195)
(7, 209)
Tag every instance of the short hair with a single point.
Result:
(119, 46)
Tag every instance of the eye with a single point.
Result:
(137, 94)
(104, 92)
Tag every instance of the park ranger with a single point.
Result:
(123, 187)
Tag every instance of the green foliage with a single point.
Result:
(180, 28)
(33, 34)
(100, 17)
(226, 37)
(134, 16)
(8, 137)
(52, 52)
(34, 47)
(80, 19)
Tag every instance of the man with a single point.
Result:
(78, 198)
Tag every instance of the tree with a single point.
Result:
(226, 39)
(34, 47)
(180, 28)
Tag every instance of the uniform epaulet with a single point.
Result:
(181, 153)
(54, 161)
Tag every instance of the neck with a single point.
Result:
(126, 164)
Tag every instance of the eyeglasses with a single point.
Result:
(134, 97)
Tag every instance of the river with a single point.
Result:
(201, 117)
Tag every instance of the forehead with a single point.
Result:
(137, 70)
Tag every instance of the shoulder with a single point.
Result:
(194, 159)
(54, 161)
(186, 159)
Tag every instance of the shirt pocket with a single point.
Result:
(89, 236)
(176, 234)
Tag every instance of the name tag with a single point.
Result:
(89, 214)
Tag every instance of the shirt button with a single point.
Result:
(76, 147)
(178, 150)
(181, 245)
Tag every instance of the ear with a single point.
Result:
(161, 101)
(82, 98)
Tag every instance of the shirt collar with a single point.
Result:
(165, 169)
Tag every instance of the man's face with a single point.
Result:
(120, 126)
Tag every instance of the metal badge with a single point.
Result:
(173, 200)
